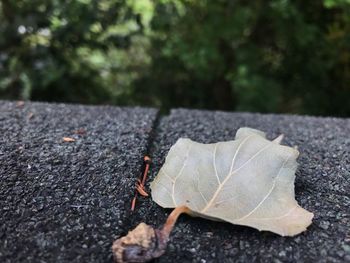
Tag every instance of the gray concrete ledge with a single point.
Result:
(67, 202)
(61, 201)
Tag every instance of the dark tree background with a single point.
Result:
(268, 56)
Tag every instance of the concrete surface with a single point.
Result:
(67, 202)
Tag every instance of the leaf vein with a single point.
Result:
(268, 193)
(228, 176)
(179, 174)
(214, 162)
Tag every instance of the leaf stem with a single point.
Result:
(171, 220)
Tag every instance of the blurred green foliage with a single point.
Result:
(266, 56)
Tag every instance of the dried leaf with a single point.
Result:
(68, 139)
(138, 246)
(145, 243)
(248, 181)
(20, 103)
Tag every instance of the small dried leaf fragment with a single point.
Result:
(137, 246)
(145, 243)
(68, 139)
(248, 181)
(20, 103)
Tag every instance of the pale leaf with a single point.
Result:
(248, 181)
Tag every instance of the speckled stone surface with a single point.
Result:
(67, 201)
(322, 186)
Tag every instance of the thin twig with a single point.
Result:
(140, 185)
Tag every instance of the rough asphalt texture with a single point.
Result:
(322, 186)
(67, 202)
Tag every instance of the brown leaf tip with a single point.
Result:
(140, 245)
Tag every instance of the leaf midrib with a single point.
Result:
(229, 175)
